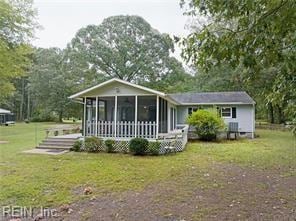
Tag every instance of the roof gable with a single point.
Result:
(116, 86)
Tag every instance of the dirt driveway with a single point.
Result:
(223, 192)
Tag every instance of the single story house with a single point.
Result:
(122, 110)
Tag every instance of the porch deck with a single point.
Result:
(177, 139)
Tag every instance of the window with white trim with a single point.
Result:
(191, 109)
(226, 112)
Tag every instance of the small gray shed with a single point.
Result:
(6, 117)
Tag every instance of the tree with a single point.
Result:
(175, 81)
(17, 24)
(126, 47)
(259, 35)
(49, 85)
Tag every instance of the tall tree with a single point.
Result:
(126, 47)
(258, 34)
(49, 85)
(17, 24)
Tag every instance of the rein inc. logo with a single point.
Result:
(27, 212)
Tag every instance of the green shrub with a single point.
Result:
(138, 146)
(43, 117)
(110, 146)
(154, 148)
(77, 146)
(93, 144)
(207, 123)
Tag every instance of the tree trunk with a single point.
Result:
(280, 116)
(270, 113)
(61, 116)
(28, 106)
(22, 101)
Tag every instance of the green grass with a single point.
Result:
(273, 149)
(43, 180)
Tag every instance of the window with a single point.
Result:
(233, 112)
(173, 117)
(192, 109)
(226, 112)
(163, 116)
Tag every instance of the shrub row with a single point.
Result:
(137, 146)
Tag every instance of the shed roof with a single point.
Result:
(3, 111)
(233, 97)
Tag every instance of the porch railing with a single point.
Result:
(122, 129)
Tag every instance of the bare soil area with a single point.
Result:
(223, 192)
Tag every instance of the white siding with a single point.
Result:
(244, 116)
(116, 88)
(182, 113)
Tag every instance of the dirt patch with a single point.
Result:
(3, 142)
(223, 192)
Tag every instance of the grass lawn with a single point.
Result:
(43, 180)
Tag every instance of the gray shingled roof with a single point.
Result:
(213, 97)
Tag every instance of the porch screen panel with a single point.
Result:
(106, 108)
(106, 126)
(125, 108)
(163, 116)
(175, 118)
(125, 116)
(147, 108)
(171, 118)
(146, 116)
(90, 116)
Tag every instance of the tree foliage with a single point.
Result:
(49, 85)
(126, 47)
(17, 24)
(256, 35)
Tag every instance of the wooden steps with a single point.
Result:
(57, 143)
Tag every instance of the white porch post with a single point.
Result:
(253, 121)
(136, 114)
(84, 118)
(96, 130)
(157, 115)
(176, 118)
(115, 116)
(169, 116)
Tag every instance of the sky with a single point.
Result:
(61, 19)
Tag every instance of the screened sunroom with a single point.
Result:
(119, 109)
